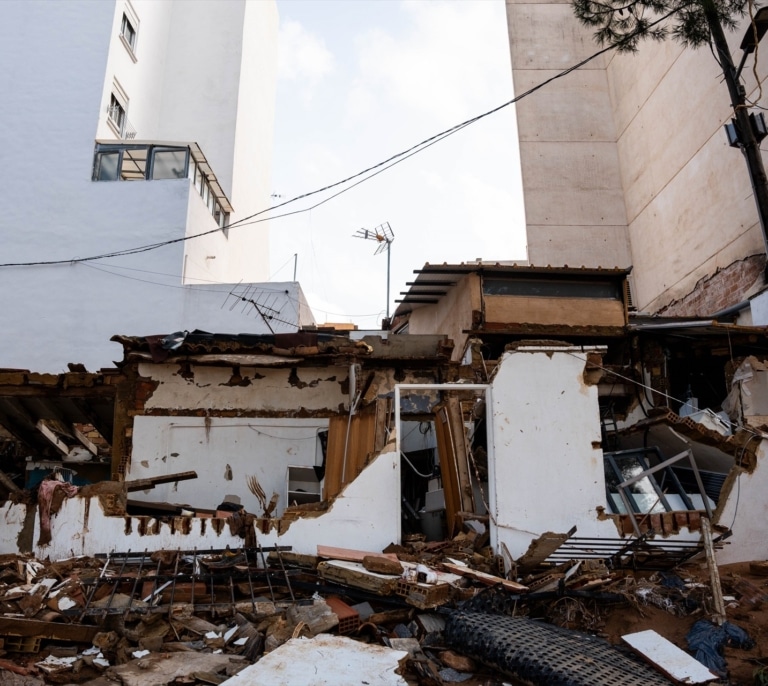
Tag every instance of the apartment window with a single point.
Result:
(169, 163)
(116, 114)
(128, 32)
(118, 161)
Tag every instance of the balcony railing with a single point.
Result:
(119, 121)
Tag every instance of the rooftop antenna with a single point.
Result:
(384, 236)
(264, 302)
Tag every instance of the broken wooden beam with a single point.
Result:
(7, 482)
(152, 481)
(332, 553)
(55, 631)
(483, 578)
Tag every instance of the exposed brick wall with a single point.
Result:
(724, 288)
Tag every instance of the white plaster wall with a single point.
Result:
(745, 512)
(81, 528)
(224, 452)
(224, 313)
(252, 170)
(364, 516)
(143, 80)
(64, 56)
(11, 524)
(546, 466)
(205, 72)
(264, 389)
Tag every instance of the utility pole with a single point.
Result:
(747, 140)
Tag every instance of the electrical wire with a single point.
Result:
(730, 424)
(361, 176)
(293, 300)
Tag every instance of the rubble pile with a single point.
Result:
(194, 617)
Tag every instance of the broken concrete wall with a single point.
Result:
(227, 423)
(546, 471)
(224, 451)
(744, 508)
(81, 527)
(364, 516)
(220, 389)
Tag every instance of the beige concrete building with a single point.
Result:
(625, 163)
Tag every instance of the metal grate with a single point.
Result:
(212, 580)
(635, 553)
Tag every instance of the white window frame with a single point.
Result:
(130, 17)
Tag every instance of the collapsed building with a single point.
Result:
(530, 401)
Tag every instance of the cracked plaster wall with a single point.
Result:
(252, 390)
(547, 468)
(224, 452)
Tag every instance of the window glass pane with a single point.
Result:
(169, 164)
(129, 33)
(106, 168)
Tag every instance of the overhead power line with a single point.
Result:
(359, 177)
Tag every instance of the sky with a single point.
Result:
(360, 81)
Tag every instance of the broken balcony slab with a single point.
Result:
(324, 661)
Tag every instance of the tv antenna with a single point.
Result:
(384, 236)
(266, 303)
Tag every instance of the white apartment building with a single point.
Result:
(131, 123)
(625, 163)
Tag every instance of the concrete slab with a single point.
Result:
(325, 660)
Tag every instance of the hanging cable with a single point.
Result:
(361, 176)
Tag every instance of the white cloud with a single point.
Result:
(438, 79)
(303, 57)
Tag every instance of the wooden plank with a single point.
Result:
(87, 442)
(7, 482)
(483, 578)
(563, 311)
(718, 616)
(355, 575)
(668, 658)
(454, 462)
(44, 428)
(350, 555)
(152, 481)
(350, 444)
(55, 631)
(540, 549)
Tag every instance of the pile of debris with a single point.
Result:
(417, 613)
